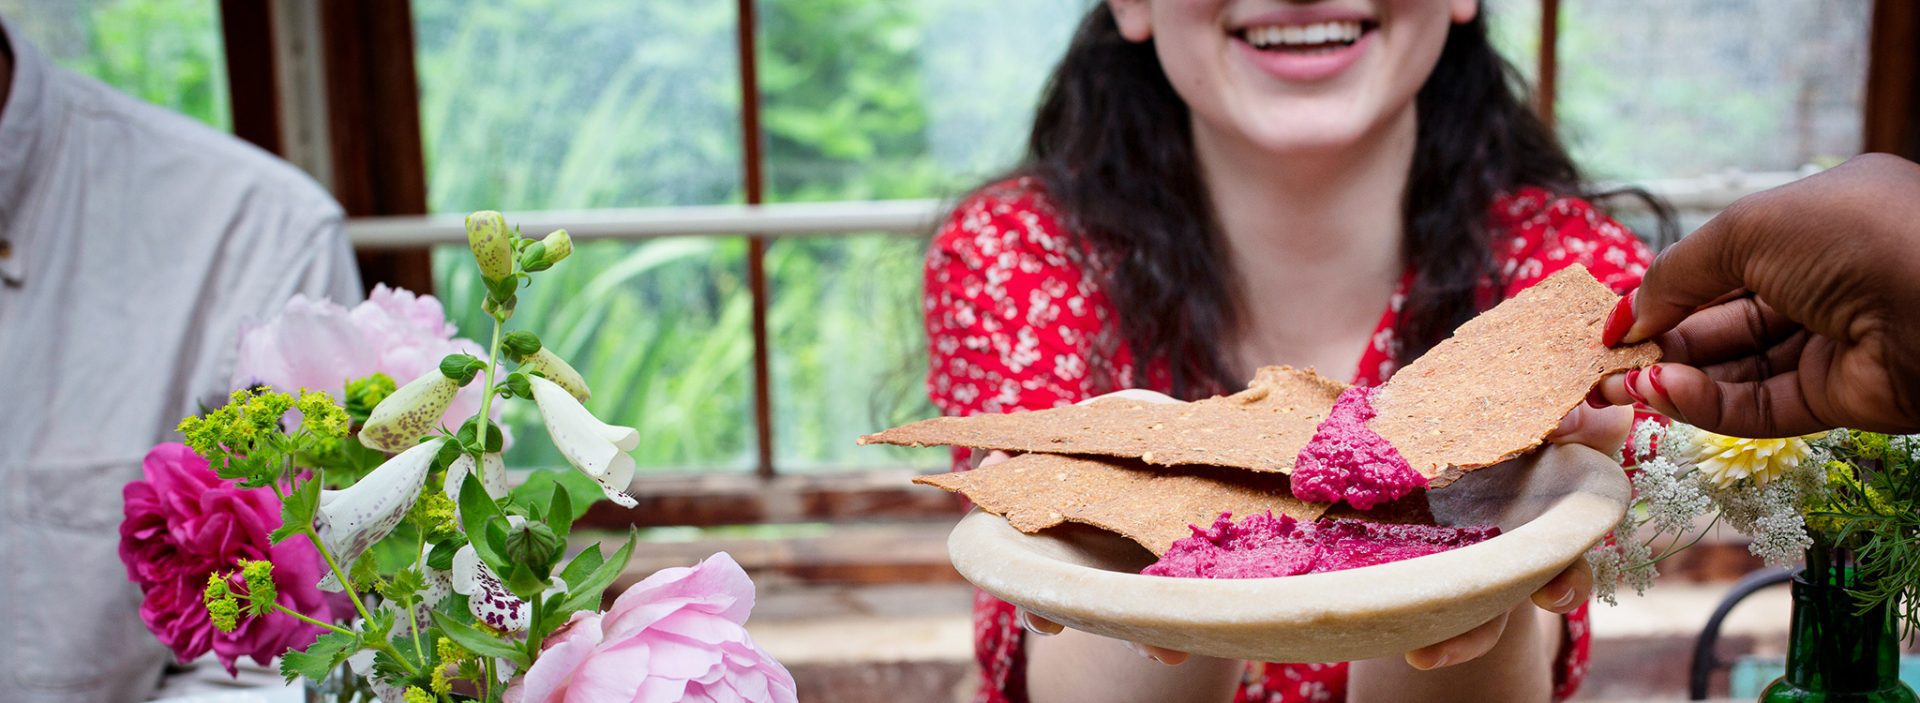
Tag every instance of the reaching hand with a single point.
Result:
(1795, 310)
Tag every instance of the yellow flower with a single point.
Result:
(1725, 460)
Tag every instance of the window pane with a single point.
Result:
(550, 104)
(849, 352)
(660, 330)
(866, 100)
(1677, 88)
(166, 52)
(1514, 26)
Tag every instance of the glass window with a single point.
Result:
(552, 104)
(1680, 88)
(1514, 26)
(166, 52)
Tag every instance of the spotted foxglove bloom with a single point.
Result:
(1724, 460)
(410, 413)
(558, 371)
(493, 475)
(354, 518)
(488, 597)
(597, 449)
(492, 244)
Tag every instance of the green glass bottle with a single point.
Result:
(1837, 654)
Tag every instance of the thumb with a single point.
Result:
(1699, 269)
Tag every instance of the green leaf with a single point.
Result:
(560, 514)
(320, 658)
(586, 594)
(296, 514)
(581, 566)
(405, 584)
(441, 557)
(539, 487)
(478, 642)
(524, 583)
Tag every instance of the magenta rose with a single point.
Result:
(677, 636)
(182, 524)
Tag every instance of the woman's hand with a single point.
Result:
(1794, 310)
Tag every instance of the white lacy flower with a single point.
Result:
(409, 413)
(493, 476)
(1725, 460)
(597, 449)
(354, 518)
(1646, 435)
(1673, 496)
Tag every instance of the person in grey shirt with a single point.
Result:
(133, 243)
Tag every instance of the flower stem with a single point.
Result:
(486, 397)
(345, 583)
(413, 623)
(310, 621)
(533, 626)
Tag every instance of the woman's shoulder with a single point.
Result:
(1010, 221)
(1543, 232)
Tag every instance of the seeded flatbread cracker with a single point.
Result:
(1261, 428)
(1153, 506)
(1503, 381)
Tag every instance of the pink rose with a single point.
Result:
(319, 345)
(677, 636)
(182, 524)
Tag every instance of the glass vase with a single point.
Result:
(1837, 652)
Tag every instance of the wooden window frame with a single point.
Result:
(378, 168)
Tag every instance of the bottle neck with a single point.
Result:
(1835, 647)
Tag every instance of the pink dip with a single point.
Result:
(1263, 545)
(1346, 460)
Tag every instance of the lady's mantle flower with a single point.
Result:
(1725, 460)
(597, 449)
(410, 413)
(351, 520)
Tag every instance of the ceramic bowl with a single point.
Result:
(1551, 506)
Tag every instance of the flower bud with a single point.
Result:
(461, 367)
(559, 246)
(558, 371)
(519, 345)
(531, 543)
(399, 421)
(492, 244)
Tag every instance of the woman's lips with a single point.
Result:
(1303, 66)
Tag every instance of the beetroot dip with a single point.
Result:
(1348, 461)
(1261, 546)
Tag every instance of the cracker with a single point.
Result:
(1261, 428)
(1503, 381)
(1151, 506)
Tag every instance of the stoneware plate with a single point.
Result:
(1550, 506)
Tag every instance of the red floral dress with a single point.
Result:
(1015, 322)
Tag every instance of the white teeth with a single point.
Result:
(1303, 35)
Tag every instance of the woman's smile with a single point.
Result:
(1294, 47)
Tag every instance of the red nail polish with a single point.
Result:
(1653, 379)
(1619, 321)
(1597, 399)
(1633, 378)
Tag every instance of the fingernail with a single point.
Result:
(1026, 623)
(1142, 651)
(1566, 599)
(1597, 399)
(1653, 379)
(1435, 664)
(1620, 320)
(1633, 379)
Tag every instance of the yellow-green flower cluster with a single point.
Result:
(261, 592)
(321, 416)
(416, 695)
(222, 607)
(452, 657)
(434, 513)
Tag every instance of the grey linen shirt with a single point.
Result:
(133, 244)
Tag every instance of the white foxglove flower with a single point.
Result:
(493, 475)
(410, 413)
(354, 518)
(597, 449)
(558, 371)
(488, 598)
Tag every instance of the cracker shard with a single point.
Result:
(1152, 506)
(1503, 381)
(1261, 428)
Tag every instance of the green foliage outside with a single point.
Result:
(166, 52)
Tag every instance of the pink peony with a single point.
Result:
(677, 636)
(182, 524)
(319, 345)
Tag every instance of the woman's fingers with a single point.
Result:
(1770, 407)
(979, 458)
(1462, 648)
(1604, 429)
(1568, 590)
(1037, 625)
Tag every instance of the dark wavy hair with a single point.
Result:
(1113, 150)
